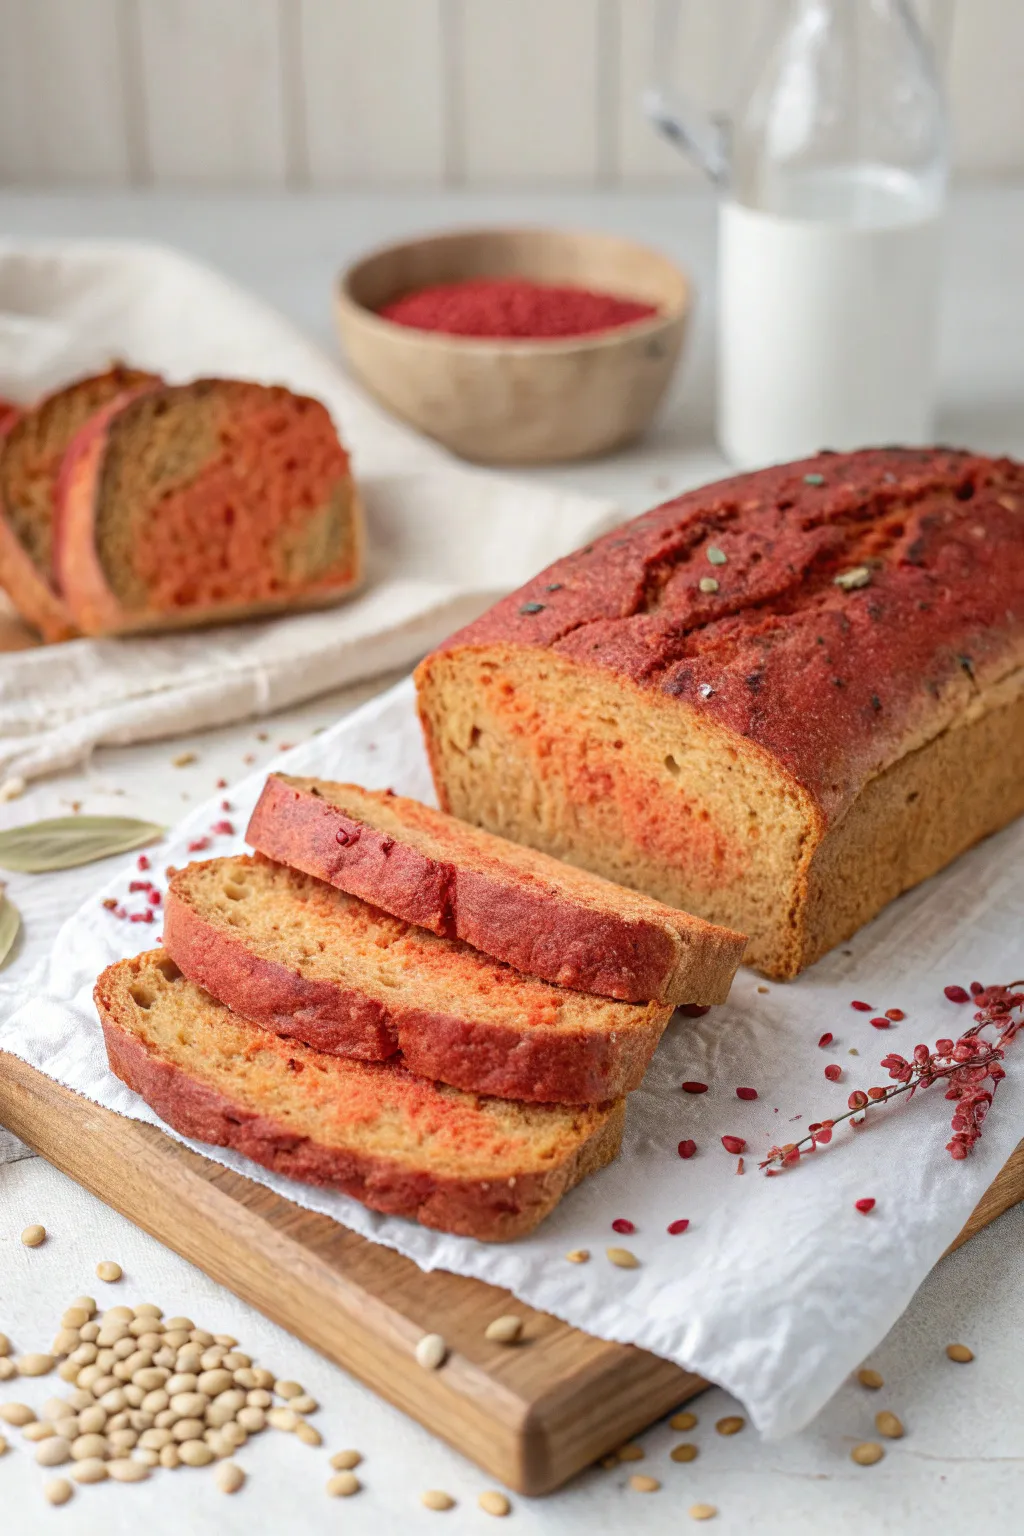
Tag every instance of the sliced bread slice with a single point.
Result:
(534, 912)
(202, 503)
(478, 1167)
(309, 961)
(33, 448)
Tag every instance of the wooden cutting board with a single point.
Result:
(531, 1415)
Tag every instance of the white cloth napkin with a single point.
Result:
(780, 1286)
(444, 540)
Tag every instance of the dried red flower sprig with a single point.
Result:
(970, 1065)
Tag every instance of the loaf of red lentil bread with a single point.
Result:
(778, 701)
(306, 960)
(478, 1167)
(205, 502)
(523, 907)
(31, 452)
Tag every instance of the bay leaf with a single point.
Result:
(65, 841)
(10, 923)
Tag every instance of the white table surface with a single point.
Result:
(961, 1465)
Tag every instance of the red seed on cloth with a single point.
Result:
(621, 1224)
(957, 994)
(733, 1143)
(833, 1072)
(826, 1039)
(861, 1007)
(675, 1227)
(746, 1093)
(695, 1087)
(687, 1148)
(864, 1206)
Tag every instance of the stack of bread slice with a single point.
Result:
(390, 1002)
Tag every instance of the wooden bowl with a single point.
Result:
(516, 401)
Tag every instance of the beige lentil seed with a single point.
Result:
(252, 1419)
(169, 1456)
(68, 1370)
(630, 1453)
(118, 1421)
(35, 1365)
(78, 1400)
(133, 1395)
(5, 1345)
(89, 1332)
(431, 1352)
(53, 1452)
(166, 1419)
(201, 1337)
(175, 1339)
(283, 1418)
(195, 1453)
(123, 1439)
(730, 1425)
(109, 1271)
(190, 1405)
(89, 1375)
(867, 1453)
(889, 1425)
(214, 1382)
(870, 1379)
(289, 1389)
(139, 1360)
(18, 1414)
(494, 1503)
(164, 1358)
(33, 1235)
(66, 1340)
(264, 1378)
(148, 1309)
(436, 1498)
(642, 1484)
(212, 1359)
(258, 1398)
(74, 1317)
(146, 1457)
(113, 1399)
(87, 1304)
(91, 1471)
(960, 1353)
(229, 1477)
(179, 1325)
(504, 1330)
(344, 1461)
(92, 1420)
(683, 1421)
(124, 1470)
(307, 1434)
(85, 1354)
(111, 1334)
(703, 1511)
(304, 1404)
(152, 1378)
(119, 1314)
(7, 1368)
(188, 1429)
(225, 1340)
(88, 1447)
(181, 1381)
(684, 1452)
(58, 1490)
(244, 1378)
(622, 1258)
(156, 1401)
(155, 1439)
(342, 1485)
(235, 1361)
(233, 1434)
(42, 1429)
(150, 1341)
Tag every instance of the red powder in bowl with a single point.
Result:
(514, 307)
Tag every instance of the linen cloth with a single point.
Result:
(780, 1287)
(443, 540)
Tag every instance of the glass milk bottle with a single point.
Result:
(833, 180)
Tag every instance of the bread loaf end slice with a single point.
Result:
(544, 917)
(33, 446)
(477, 1167)
(202, 503)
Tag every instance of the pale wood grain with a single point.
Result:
(212, 85)
(532, 1415)
(61, 104)
(528, 89)
(372, 85)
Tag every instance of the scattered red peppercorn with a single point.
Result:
(861, 1007)
(881, 1023)
(864, 1206)
(733, 1143)
(675, 1227)
(513, 306)
(857, 1099)
(198, 844)
(833, 1072)
(223, 829)
(876, 1093)
(110, 902)
(687, 1149)
(225, 805)
(139, 885)
(221, 784)
(957, 994)
(826, 1039)
(746, 1094)
(695, 1087)
(143, 917)
(976, 988)
(620, 1224)
(895, 1014)
(142, 862)
(154, 898)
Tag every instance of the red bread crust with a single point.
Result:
(489, 1211)
(519, 922)
(79, 571)
(832, 685)
(514, 1061)
(34, 598)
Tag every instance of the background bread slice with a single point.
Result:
(205, 502)
(544, 917)
(478, 1167)
(309, 961)
(33, 448)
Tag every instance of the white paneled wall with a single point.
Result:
(411, 92)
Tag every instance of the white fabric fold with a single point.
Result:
(780, 1286)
